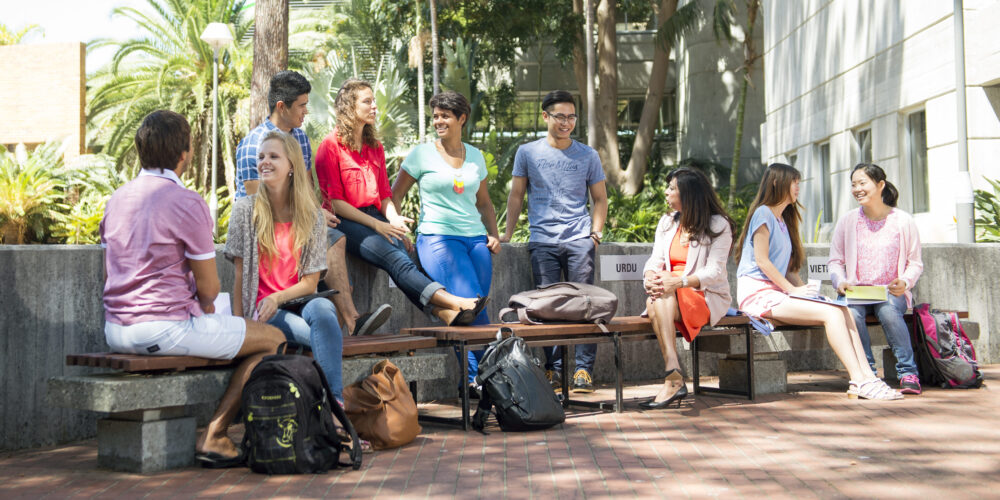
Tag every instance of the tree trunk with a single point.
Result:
(435, 59)
(607, 95)
(417, 59)
(631, 179)
(749, 56)
(539, 56)
(270, 53)
(580, 64)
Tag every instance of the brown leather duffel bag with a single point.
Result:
(381, 407)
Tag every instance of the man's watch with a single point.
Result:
(599, 235)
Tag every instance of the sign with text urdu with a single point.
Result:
(622, 267)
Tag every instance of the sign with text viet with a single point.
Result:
(622, 267)
(817, 267)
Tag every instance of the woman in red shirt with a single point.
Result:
(350, 166)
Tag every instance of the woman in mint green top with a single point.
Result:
(457, 230)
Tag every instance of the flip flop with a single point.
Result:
(213, 460)
(466, 316)
(366, 446)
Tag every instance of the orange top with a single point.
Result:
(678, 253)
(278, 272)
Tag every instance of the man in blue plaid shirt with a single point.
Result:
(288, 100)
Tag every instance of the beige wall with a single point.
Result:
(43, 95)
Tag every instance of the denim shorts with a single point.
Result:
(332, 235)
(214, 336)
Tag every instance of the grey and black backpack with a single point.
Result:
(561, 302)
(288, 411)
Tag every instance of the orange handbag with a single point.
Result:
(381, 407)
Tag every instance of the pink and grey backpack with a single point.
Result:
(945, 356)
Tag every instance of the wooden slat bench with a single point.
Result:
(468, 338)
(626, 328)
(137, 363)
(150, 427)
(739, 325)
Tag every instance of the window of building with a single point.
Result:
(630, 112)
(863, 146)
(916, 144)
(824, 175)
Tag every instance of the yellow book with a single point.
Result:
(868, 294)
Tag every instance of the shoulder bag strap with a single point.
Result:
(342, 417)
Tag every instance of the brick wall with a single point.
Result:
(43, 91)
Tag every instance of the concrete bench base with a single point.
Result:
(149, 427)
(146, 441)
(770, 375)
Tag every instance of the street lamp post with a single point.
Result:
(216, 35)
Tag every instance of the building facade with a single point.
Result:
(852, 81)
(43, 88)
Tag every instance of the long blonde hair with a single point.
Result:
(346, 111)
(773, 190)
(305, 208)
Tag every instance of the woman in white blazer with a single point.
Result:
(686, 277)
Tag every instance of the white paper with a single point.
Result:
(223, 305)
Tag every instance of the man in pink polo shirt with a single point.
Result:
(161, 281)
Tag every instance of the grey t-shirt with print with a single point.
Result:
(558, 183)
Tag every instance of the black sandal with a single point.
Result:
(466, 316)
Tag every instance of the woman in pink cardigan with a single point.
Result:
(878, 244)
(685, 277)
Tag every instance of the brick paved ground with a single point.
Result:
(812, 443)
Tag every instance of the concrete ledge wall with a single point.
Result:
(50, 306)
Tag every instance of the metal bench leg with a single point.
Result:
(694, 365)
(564, 353)
(464, 393)
(619, 376)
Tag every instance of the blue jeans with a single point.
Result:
(464, 266)
(890, 315)
(574, 260)
(392, 258)
(317, 328)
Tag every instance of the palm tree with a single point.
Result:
(169, 67)
(750, 56)
(10, 36)
(675, 22)
(270, 53)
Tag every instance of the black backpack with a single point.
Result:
(287, 409)
(515, 385)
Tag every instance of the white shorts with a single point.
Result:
(214, 336)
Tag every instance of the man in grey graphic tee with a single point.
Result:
(558, 172)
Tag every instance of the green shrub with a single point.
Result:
(988, 213)
(31, 187)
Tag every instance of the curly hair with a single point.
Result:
(346, 111)
(450, 100)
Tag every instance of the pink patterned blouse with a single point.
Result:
(878, 251)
